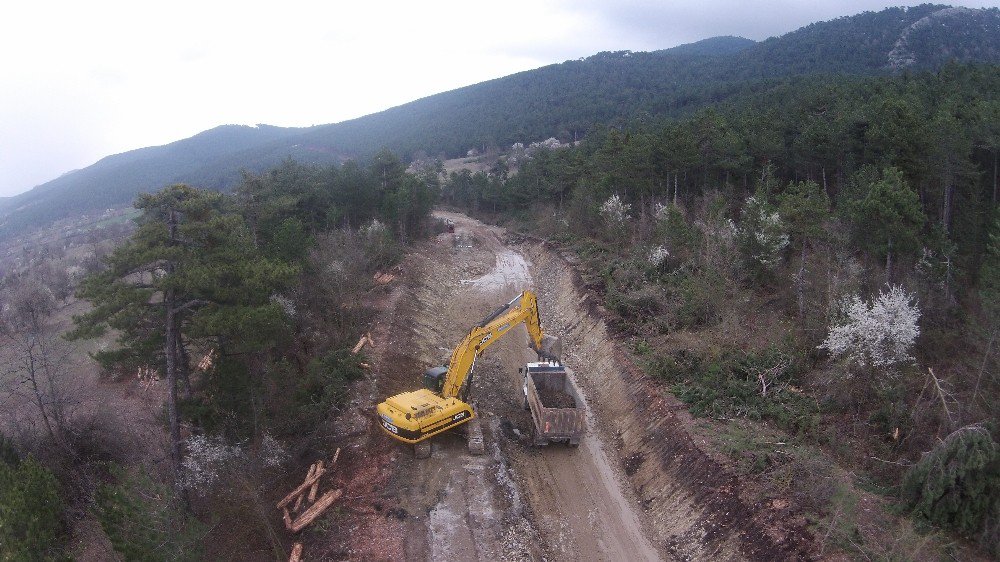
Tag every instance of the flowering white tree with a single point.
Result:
(208, 457)
(761, 236)
(661, 211)
(374, 230)
(615, 211)
(877, 334)
(658, 256)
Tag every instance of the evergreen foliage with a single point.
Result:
(957, 484)
(31, 511)
(884, 212)
(143, 520)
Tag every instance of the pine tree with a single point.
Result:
(805, 208)
(31, 511)
(885, 214)
(957, 484)
(191, 272)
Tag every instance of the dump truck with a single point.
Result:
(557, 410)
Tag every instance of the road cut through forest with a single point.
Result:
(637, 487)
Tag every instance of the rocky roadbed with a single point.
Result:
(637, 488)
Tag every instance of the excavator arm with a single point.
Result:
(523, 308)
(414, 416)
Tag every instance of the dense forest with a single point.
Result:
(562, 100)
(822, 258)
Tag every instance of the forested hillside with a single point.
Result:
(560, 100)
(234, 314)
(813, 270)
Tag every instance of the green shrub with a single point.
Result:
(144, 521)
(700, 300)
(726, 385)
(31, 511)
(324, 387)
(957, 484)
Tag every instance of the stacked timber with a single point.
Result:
(305, 494)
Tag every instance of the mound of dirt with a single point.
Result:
(553, 398)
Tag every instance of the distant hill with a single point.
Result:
(562, 100)
(725, 45)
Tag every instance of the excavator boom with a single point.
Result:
(523, 308)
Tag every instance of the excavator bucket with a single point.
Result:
(550, 349)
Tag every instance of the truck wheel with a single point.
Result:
(574, 444)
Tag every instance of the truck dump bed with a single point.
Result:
(557, 409)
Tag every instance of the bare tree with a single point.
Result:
(36, 361)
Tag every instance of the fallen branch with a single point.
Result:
(315, 510)
(900, 463)
(943, 395)
(302, 488)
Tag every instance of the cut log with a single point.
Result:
(335, 457)
(361, 343)
(315, 486)
(287, 518)
(298, 501)
(315, 510)
(302, 488)
(296, 553)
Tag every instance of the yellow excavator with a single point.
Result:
(413, 417)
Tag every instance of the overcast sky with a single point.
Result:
(80, 80)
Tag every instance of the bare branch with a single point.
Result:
(944, 395)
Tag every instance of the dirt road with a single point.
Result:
(637, 488)
(516, 502)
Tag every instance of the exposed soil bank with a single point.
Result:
(691, 504)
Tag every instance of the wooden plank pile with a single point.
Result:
(306, 494)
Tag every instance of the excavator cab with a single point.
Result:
(434, 379)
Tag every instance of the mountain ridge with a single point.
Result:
(563, 100)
